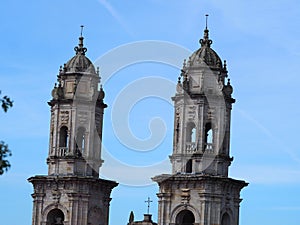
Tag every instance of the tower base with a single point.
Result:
(198, 199)
(70, 200)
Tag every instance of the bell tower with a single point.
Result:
(72, 192)
(199, 190)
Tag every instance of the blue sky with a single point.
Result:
(259, 40)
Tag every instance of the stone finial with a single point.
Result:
(225, 65)
(131, 217)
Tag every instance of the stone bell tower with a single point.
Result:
(72, 192)
(199, 190)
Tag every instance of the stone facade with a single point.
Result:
(79, 200)
(199, 191)
(72, 192)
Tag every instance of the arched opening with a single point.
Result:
(55, 217)
(63, 141)
(185, 217)
(225, 219)
(190, 132)
(63, 137)
(191, 135)
(189, 166)
(208, 142)
(80, 139)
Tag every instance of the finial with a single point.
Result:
(205, 41)
(189, 61)
(184, 63)
(80, 49)
(81, 30)
(225, 65)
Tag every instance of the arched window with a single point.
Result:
(55, 217)
(185, 217)
(189, 166)
(190, 132)
(193, 135)
(80, 139)
(63, 137)
(209, 136)
(225, 219)
(208, 142)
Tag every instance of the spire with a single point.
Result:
(205, 42)
(80, 49)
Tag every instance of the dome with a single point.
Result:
(206, 54)
(80, 63)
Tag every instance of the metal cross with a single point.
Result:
(148, 201)
(206, 20)
(81, 30)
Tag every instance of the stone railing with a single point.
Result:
(191, 147)
(209, 148)
(62, 151)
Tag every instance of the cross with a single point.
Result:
(148, 201)
(81, 30)
(206, 20)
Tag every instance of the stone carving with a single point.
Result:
(210, 113)
(185, 196)
(64, 117)
(56, 195)
(191, 112)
